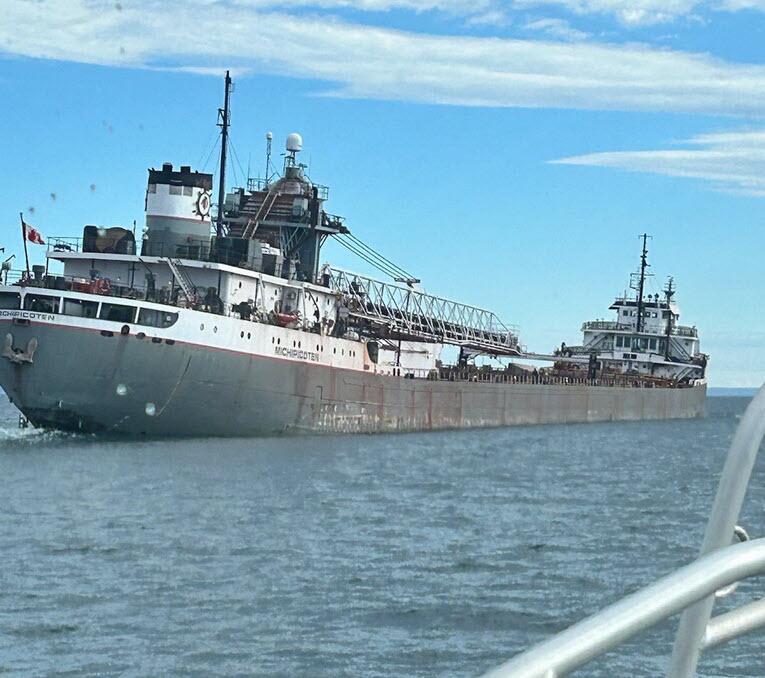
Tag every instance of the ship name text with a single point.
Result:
(296, 354)
(26, 315)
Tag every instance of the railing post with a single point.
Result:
(719, 532)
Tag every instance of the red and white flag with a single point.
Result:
(32, 234)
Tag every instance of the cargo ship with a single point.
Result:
(220, 320)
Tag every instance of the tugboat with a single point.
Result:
(230, 326)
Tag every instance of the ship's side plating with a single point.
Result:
(202, 377)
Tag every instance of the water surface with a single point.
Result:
(436, 554)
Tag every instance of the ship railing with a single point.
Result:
(64, 244)
(51, 284)
(456, 373)
(604, 325)
(691, 590)
(685, 331)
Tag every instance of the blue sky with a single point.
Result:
(509, 153)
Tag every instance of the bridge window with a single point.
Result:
(79, 308)
(155, 318)
(653, 344)
(10, 300)
(117, 313)
(41, 302)
(619, 341)
(176, 190)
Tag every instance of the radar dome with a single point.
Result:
(294, 142)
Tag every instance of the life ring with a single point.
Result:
(203, 204)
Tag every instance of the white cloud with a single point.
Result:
(731, 161)
(556, 28)
(357, 60)
(634, 13)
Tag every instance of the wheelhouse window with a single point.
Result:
(176, 190)
(653, 344)
(79, 308)
(10, 300)
(619, 341)
(41, 303)
(154, 318)
(117, 313)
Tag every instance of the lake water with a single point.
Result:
(437, 554)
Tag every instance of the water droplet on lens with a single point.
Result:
(151, 409)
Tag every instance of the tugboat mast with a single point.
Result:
(643, 266)
(223, 120)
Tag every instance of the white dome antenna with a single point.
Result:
(294, 143)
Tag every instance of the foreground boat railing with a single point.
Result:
(690, 589)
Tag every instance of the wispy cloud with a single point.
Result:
(363, 61)
(556, 28)
(733, 162)
(628, 12)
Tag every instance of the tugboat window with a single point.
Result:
(41, 303)
(79, 308)
(117, 313)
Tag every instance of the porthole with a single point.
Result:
(202, 326)
(273, 340)
(317, 347)
(342, 351)
(294, 343)
(248, 335)
(215, 329)
(278, 341)
(334, 350)
(241, 334)
(298, 344)
(240, 284)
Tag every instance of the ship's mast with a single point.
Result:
(669, 291)
(643, 266)
(223, 121)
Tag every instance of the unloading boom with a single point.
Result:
(393, 311)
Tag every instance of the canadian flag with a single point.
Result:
(32, 234)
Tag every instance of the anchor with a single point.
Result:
(17, 355)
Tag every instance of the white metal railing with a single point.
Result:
(690, 590)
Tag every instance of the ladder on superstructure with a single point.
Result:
(184, 281)
(262, 213)
(406, 313)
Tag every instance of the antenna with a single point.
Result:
(269, 137)
(643, 266)
(669, 292)
(294, 145)
(223, 122)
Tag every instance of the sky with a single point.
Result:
(509, 153)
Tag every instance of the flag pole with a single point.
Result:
(24, 239)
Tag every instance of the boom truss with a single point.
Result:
(396, 312)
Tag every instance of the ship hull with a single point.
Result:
(81, 380)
